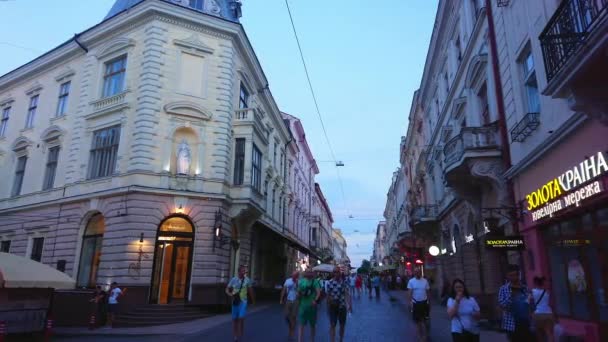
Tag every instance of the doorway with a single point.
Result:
(172, 261)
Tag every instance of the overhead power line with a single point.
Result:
(314, 98)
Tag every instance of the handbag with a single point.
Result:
(236, 298)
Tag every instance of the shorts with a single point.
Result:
(112, 308)
(337, 313)
(291, 311)
(420, 311)
(239, 311)
(307, 314)
(543, 321)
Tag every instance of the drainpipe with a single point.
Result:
(76, 36)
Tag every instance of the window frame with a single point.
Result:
(107, 77)
(51, 167)
(31, 111)
(19, 175)
(239, 161)
(98, 159)
(256, 168)
(62, 98)
(5, 246)
(243, 96)
(529, 80)
(6, 114)
(34, 248)
(192, 4)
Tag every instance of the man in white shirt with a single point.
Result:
(289, 295)
(419, 297)
(115, 293)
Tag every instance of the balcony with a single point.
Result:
(524, 128)
(423, 218)
(572, 43)
(472, 143)
(251, 117)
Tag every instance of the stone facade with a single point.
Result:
(176, 107)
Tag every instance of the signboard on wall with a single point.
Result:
(505, 242)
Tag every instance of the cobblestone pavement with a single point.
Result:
(375, 319)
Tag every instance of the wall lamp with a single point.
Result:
(218, 237)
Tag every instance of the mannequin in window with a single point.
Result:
(184, 158)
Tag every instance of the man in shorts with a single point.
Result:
(419, 295)
(339, 303)
(309, 291)
(238, 288)
(289, 296)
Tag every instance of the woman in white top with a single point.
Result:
(463, 311)
(543, 315)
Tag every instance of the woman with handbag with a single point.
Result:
(463, 311)
(542, 315)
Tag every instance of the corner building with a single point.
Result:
(147, 150)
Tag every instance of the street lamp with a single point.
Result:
(434, 250)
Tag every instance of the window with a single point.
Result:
(482, 95)
(256, 169)
(530, 84)
(197, 4)
(31, 112)
(62, 103)
(102, 160)
(19, 173)
(5, 246)
(458, 50)
(4, 123)
(37, 245)
(90, 254)
(114, 76)
(274, 193)
(51, 168)
(239, 162)
(243, 97)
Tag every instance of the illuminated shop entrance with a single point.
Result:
(172, 261)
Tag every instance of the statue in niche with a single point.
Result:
(214, 7)
(184, 158)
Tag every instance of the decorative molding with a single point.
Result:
(476, 69)
(113, 46)
(187, 108)
(194, 43)
(458, 106)
(7, 101)
(65, 75)
(52, 133)
(21, 143)
(34, 89)
(109, 104)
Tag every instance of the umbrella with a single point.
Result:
(17, 271)
(324, 268)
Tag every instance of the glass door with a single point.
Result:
(181, 261)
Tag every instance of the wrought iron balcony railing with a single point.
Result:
(525, 127)
(470, 138)
(567, 31)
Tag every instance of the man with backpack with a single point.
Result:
(513, 299)
(309, 292)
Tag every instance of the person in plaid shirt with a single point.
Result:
(513, 299)
(339, 302)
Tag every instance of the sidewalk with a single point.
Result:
(185, 328)
(439, 317)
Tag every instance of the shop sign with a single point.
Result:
(573, 242)
(505, 242)
(561, 192)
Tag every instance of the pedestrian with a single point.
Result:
(368, 283)
(398, 282)
(289, 296)
(513, 300)
(543, 314)
(358, 285)
(339, 303)
(464, 313)
(115, 293)
(100, 307)
(376, 284)
(419, 297)
(238, 288)
(353, 281)
(309, 292)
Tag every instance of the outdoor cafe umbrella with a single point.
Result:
(17, 271)
(324, 268)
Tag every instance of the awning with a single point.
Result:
(324, 268)
(17, 271)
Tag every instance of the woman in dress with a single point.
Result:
(543, 315)
(463, 312)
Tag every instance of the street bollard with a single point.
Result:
(3, 330)
(49, 329)
(92, 322)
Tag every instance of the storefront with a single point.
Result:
(565, 226)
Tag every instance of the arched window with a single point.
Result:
(91, 251)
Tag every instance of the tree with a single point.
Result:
(366, 266)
